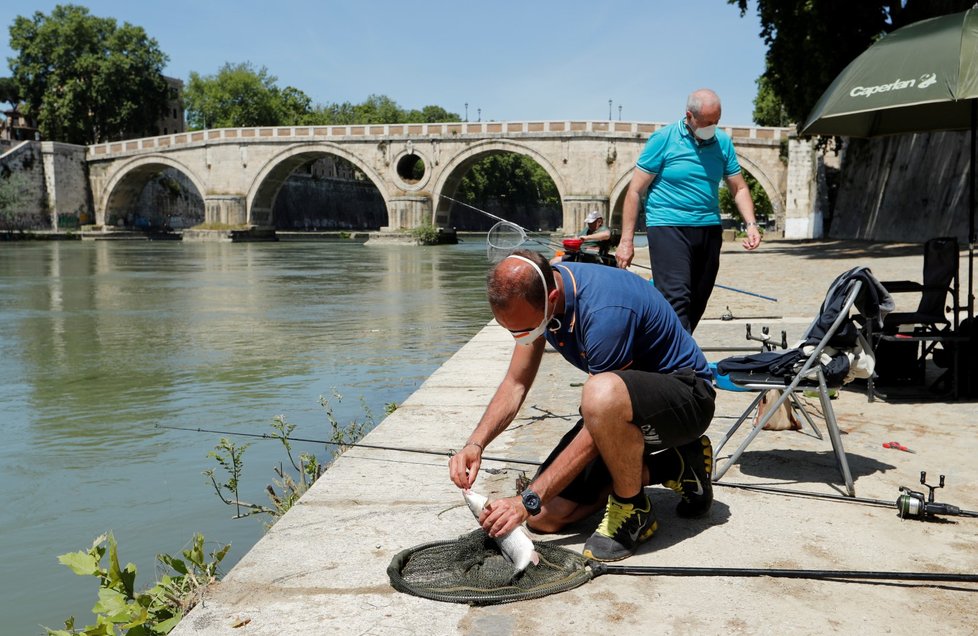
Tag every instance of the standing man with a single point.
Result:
(649, 390)
(680, 169)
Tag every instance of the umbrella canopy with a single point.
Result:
(919, 78)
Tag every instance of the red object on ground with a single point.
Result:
(897, 446)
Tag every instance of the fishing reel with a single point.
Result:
(912, 504)
(765, 338)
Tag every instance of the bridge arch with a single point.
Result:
(130, 178)
(455, 169)
(772, 191)
(268, 182)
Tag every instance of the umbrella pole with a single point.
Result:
(971, 210)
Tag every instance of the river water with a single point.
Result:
(103, 342)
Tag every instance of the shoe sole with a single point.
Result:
(587, 554)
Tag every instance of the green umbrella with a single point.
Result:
(922, 77)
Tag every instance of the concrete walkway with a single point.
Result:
(322, 568)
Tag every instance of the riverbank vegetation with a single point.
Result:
(121, 609)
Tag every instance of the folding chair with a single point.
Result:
(802, 368)
(929, 325)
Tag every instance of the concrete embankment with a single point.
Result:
(322, 568)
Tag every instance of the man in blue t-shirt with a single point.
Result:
(644, 408)
(680, 169)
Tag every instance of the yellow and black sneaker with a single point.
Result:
(694, 483)
(623, 528)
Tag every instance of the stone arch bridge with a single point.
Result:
(239, 171)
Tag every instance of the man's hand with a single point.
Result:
(624, 254)
(463, 467)
(753, 238)
(502, 516)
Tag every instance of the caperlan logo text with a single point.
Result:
(925, 80)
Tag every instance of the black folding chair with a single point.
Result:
(920, 332)
(833, 330)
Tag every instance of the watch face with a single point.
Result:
(531, 501)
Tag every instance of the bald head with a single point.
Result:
(513, 278)
(703, 101)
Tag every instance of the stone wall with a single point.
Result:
(308, 203)
(903, 188)
(66, 185)
(22, 171)
(53, 179)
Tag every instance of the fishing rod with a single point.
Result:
(910, 503)
(651, 570)
(555, 245)
(544, 242)
(399, 449)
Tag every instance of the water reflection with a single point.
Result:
(102, 341)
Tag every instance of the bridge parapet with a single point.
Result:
(381, 132)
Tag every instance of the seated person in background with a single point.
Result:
(595, 233)
(596, 240)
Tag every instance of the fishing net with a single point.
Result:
(471, 569)
(503, 238)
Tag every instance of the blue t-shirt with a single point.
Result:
(614, 319)
(685, 190)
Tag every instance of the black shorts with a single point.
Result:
(671, 409)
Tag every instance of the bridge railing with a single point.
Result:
(388, 131)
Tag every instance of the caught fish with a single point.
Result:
(515, 546)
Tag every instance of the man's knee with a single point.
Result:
(604, 394)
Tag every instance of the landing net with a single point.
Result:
(471, 569)
(503, 238)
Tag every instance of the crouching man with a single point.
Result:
(645, 406)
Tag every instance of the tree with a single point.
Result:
(811, 41)
(768, 108)
(9, 93)
(85, 79)
(237, 96)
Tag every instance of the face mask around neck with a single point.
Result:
(527, 338)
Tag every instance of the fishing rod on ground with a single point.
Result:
(910, 504)
(498, 239)
(651, 570)
(400, 449)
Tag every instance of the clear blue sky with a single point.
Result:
(514, 60)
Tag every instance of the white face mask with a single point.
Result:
(706, 133)
(527, 338)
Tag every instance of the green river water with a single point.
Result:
(101, 342)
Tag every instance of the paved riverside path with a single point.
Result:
(322, 568)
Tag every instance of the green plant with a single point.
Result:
(425, 234)
(288, 486)
(122, 610)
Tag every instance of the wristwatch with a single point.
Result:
(531, 501)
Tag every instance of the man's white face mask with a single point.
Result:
(706, 133)
(527, 338)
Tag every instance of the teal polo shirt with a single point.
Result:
(685, 190)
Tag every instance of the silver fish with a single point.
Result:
(515, 546)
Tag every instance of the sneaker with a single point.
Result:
(621, 531)
(694, 483)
